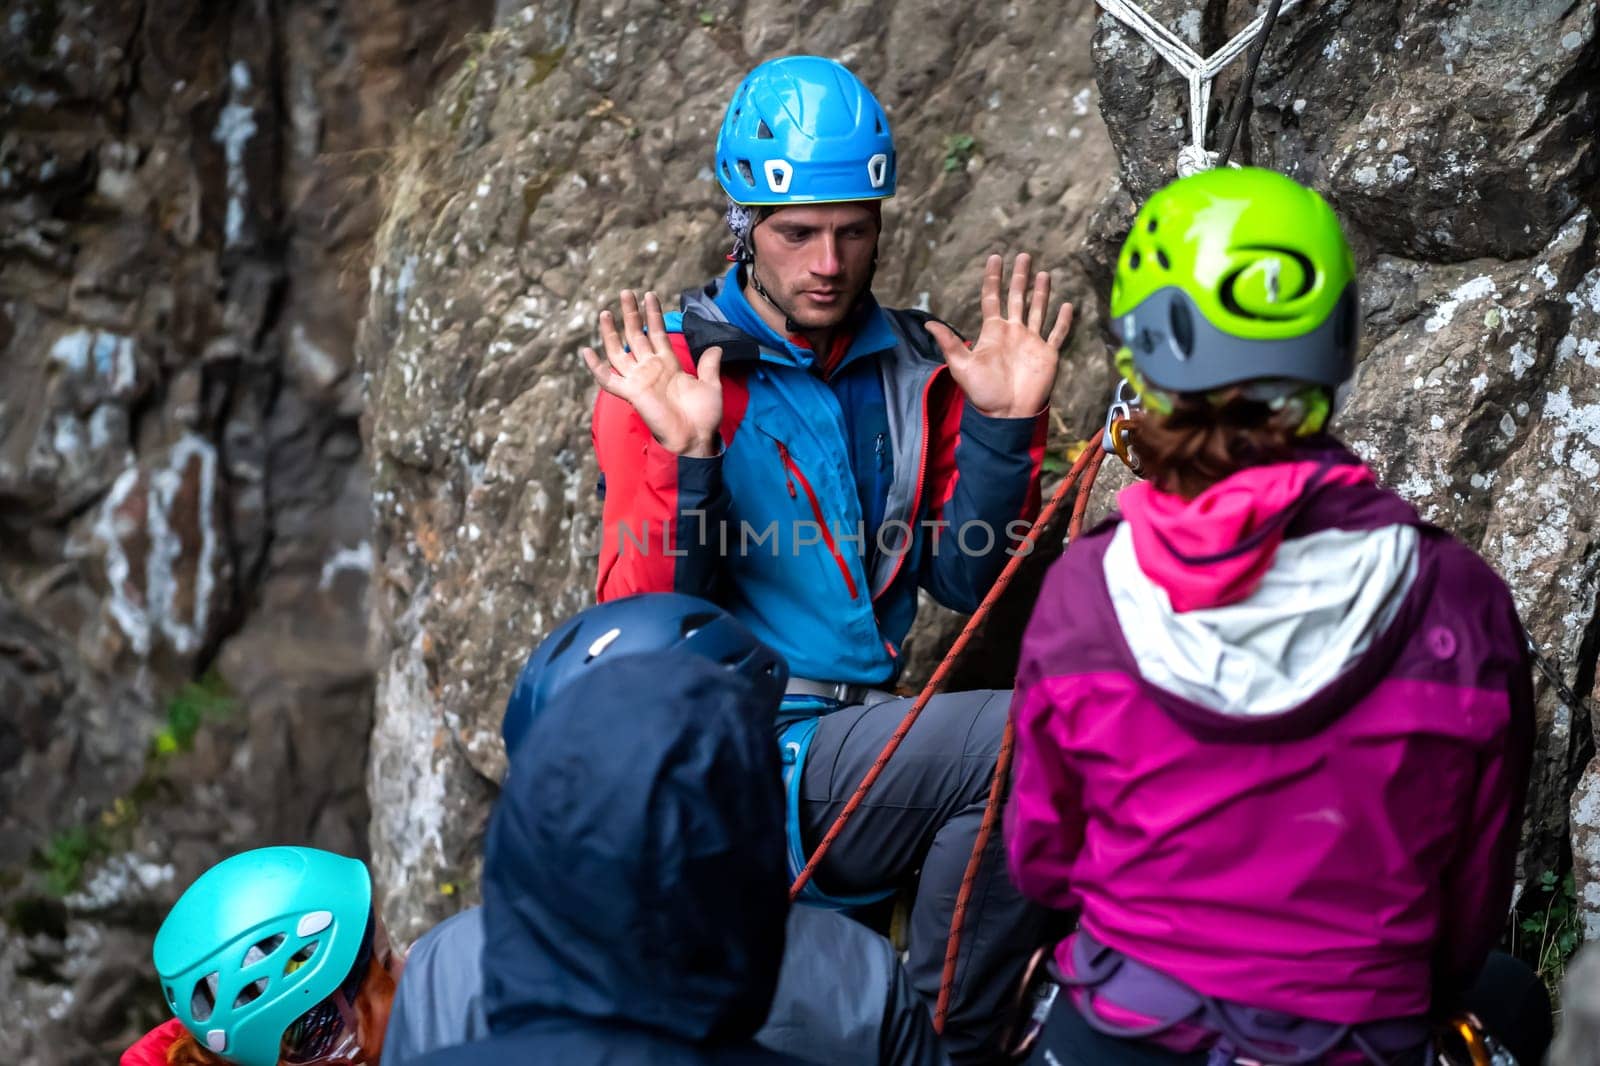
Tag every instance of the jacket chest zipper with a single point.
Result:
(792, 474)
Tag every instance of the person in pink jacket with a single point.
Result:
(1273, 730)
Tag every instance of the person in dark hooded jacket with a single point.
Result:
(842, 999)
(635, 879)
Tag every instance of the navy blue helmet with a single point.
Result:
(649, 622)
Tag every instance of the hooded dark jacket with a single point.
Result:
(635, 882)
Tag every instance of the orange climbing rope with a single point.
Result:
(1002, 764)
(1085, 467)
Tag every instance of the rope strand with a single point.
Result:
(1002, 770)
(936, 682)
(1240, 111)
(1200, 73)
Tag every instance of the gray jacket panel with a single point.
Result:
(842, 997)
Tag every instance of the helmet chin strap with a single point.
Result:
(790, 326)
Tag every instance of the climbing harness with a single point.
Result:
(1200, 72)
(794, 743)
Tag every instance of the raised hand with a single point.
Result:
(1009, 372)
(681, 409)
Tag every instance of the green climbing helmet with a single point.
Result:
(258, 941)
(1231, 276)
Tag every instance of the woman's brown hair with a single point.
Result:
(1204, 439)
(373, 1003)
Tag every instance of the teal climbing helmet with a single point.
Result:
(261, 940)
(804, 130)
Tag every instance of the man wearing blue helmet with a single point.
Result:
(810, 460)
(841, 996)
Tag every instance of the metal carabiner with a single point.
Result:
(1119, 420)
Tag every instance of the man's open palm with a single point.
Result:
(682, 410)
(1011, 369)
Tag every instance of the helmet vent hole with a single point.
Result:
(565, 642)
(692, 623)
(1181, 326)
(725, 171)
(1161, 258)
(746, 171)
(604, 641)
(779, 174)
(878, 170)
(204, 997)
(262, 948)
(1133, 261)
(172, 1000)
(300, 958)
(763, 131)
(250, 993)
(1150, 227)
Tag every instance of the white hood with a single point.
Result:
(1318, 608)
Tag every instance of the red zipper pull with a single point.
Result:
(783, 454)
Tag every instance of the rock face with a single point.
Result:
(185, 210)
(570, 159)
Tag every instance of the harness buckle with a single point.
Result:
(844, 692)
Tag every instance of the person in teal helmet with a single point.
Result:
(812, 462)
(273, 956)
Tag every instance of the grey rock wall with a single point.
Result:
(185, 212)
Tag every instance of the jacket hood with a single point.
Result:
(1214, 549)
(635, 870)
(1264, 594)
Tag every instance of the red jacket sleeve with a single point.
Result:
(662, 512)
(151, 1048)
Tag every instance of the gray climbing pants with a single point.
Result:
(923, 813)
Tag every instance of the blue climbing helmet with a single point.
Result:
(648, 622)
(252, 954)
(804, 130)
